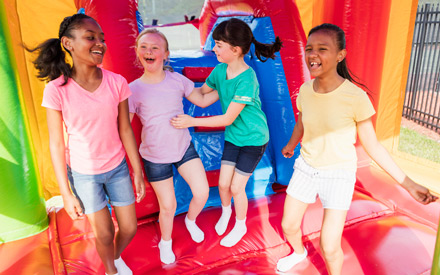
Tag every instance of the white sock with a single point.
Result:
(122, 268)
(236, 233)
(112, 274)
(166, 251)
(286, 263)
(222, 223)
(196, 234)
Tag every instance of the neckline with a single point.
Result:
(335, 90)
(160, 82)
(226, 73)
(104, 75)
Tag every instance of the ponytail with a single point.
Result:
(237, 33)
(51, 60)
(267, 50)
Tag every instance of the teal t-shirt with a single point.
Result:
(250, 127)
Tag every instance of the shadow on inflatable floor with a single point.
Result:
(386, 232)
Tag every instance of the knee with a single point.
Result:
(201, 196)
(237, 190)
(105, 237)
(168, 209)
(224, 186)
(330, 250)
(128, 230)
(290, 227)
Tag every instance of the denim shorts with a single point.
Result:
(245, 158)
(94, 191)
(163, 171)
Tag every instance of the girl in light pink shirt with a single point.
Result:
(92, 104)
(157, 97)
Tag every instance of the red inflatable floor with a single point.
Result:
(386, 232)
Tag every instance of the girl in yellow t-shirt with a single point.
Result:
(332, 111)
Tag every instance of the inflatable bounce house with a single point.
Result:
(386, 231)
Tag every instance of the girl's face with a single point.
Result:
(151, 51)
(322, 54)
(87, 45)
(225, 52)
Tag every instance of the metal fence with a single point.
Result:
(422, 97)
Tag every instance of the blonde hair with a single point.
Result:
(166, 65)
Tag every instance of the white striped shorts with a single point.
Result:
(334, 187)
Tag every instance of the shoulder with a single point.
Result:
(113, 77)
(306, 86)
(177, 76)
(57, 84)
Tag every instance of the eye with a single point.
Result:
(90, 38)
(322, 49)
(308, 50)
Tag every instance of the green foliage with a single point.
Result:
(419, 145)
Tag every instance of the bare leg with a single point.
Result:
(238, 186)
(102, 226)
(167, 203)
(224, 188)
(194, 174)
(127, 223)
(331, 235)
(292, 217)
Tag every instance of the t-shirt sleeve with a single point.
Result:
(51, 97)
(363, 108)
(188, 85)
(124, 90)
(212, 79)
(132, 106)
(298, 100)
(245, 92)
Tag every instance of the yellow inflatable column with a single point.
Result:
(30, 23)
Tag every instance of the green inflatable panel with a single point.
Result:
(22, 206)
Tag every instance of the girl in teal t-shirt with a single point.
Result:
(246, 134)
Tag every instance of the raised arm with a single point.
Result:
(297, 134)
(57, 154)
(380, 155)
(185, 121)
(203, 96)
(129, 142)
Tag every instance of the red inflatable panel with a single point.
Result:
(197, 74)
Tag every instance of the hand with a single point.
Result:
(287, 151)
(181, 121)
(73, 207)
(418, 192)
(140, 187)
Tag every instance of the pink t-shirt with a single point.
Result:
(155, 105)
(91, 119)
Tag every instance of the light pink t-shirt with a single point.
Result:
(91, 119)
(155, 105)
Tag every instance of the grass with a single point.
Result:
(416, 144)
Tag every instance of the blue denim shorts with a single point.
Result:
(245, 158)
(94, 191)
(163, 171)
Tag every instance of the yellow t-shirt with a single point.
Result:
(330, 124)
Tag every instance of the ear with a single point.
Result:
(67, 43)
(167, 55)
(342, 54)
(236, 50)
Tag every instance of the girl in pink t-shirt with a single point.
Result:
(92, 104)
(157, 97)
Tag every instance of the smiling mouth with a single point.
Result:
(314, 64)
(98, 52)
(149, 60)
